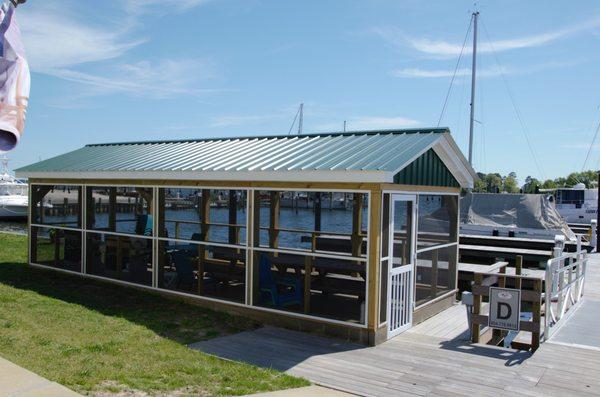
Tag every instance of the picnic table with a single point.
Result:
(339, 268)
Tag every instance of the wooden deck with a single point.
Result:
(432, 359)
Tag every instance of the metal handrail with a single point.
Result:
(565, 281)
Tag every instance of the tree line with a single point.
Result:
(496, 183)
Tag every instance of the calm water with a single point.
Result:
(331, 220)
(13, 227)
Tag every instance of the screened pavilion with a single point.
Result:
(351, 234)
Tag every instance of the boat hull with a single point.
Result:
(9, 211)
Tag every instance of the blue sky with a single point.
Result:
(148, 69)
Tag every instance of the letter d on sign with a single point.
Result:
(504, 311)
(505, 308)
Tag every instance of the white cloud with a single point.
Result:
(370, 123)
(423, 73)
(55, 39)
(489, 72)
(61, 41)
(159, 79)
(444, 48)
(161, 6)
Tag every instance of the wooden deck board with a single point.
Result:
(431, 359)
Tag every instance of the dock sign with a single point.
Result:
(505, 308)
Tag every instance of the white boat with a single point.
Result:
(577, 204)
(13, 195)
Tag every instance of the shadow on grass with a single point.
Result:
(168, 317)
(177, 320)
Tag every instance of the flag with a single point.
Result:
(14, 80)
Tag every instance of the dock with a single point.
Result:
(435, 358)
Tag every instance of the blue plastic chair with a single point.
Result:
(144, 225)
(279, 291)
(184, 269)
(184, 266)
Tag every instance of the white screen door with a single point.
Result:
(401, 272)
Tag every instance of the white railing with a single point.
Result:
(565, 280)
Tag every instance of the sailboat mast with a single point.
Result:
(301, 119)
(473, 80)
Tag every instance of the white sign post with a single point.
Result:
(505, 308)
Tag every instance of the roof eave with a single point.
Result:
(457, 163)
(255, 176)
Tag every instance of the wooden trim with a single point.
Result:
(373, 262)
(212, 183)
(416, 188)
(252, 184)
(356, 237)
(436, 299)
(526, 295)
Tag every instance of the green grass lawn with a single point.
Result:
(99, 338)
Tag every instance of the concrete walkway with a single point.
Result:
(19, 382)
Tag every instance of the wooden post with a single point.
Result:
(357, 224)
(146, 194)
(233, 230)
(204, 230)
(307, 275)
(112, 209)
(90, 208)
(317, 208)
(204, 214)
(373, 263)
(537, 315)
(452, 204)
(274, 219)
(475, 329)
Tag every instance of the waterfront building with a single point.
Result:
(250, 225)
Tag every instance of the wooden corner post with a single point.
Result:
(373, 263)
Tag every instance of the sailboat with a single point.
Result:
(504, 214)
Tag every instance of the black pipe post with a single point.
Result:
(598, 216)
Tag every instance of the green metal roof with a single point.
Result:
(326, 156)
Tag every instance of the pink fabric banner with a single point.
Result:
(15, 80)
